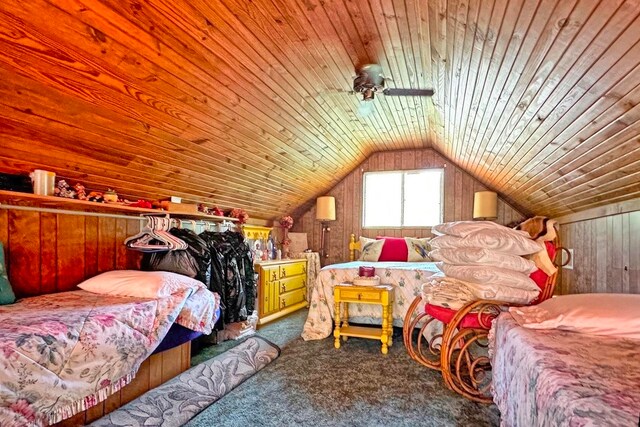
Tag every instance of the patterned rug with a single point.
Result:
(177, 401)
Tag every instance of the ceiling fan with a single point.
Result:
(370, 81)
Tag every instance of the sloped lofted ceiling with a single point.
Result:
(247, 103)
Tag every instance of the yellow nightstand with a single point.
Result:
(382, 295)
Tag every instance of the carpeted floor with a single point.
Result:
(312, 383)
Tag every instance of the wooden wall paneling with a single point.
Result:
(106, 244)
(70, 253)
(4, 234)
(24, 259)
(634, 253)
(91, 244)
(458, 198)
(49, 281)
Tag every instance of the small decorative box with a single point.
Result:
(366, 271)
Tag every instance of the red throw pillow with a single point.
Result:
(394, 249)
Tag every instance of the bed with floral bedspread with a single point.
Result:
(560, 378)
(406, 277)
(63, 353)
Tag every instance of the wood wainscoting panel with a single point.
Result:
(606, 254)
(459, 188)
(53, 252)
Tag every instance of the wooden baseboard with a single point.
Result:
(155, 370)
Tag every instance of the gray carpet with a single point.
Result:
(312, 383)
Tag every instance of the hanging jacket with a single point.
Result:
(232, 275)
(193, 262)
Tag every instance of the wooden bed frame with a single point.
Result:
(155, 370)
(354, 245)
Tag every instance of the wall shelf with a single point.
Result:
(13, 198)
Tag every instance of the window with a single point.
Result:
(402, 198)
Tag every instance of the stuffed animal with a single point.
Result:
(541, 229)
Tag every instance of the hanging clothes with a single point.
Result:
(232, 275)
(193, 262)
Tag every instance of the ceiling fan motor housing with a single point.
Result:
(368, 81)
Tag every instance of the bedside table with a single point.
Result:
(382, 295)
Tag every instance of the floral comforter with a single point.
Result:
(559, 378)
(63, 353)
(406, 277)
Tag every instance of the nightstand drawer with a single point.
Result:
(294, 269)
(293, 283)
(355, 295)
(292, 298)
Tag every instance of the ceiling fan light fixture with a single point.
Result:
(368, 94)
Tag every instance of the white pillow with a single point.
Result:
(142, 284)
(370, 249)
(479, 256)
(489, 276)
(595, 314)
(464, 228)
(418, 249)
(507, 241)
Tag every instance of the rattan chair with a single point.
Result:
(460, 351)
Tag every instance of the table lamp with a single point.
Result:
(485, 205)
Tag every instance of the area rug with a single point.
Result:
(178, 400)
(314, 384)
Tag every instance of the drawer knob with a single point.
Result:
(283, 288)
(284, 273)
(359, 297)
(284, 303)
(274, 276)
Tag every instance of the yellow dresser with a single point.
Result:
(282, 288)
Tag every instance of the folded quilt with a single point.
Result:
(63, 353)
(454, 293)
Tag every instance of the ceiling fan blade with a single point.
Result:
(407, 92)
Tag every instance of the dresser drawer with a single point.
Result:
(292, 283)
(355, 295)
(293, 269)
(291, 298)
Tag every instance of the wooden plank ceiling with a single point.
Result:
(247, 103)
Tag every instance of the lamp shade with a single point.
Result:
(485, 204)
(326, 208)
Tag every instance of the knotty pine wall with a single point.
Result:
(53, 252)
(606, 254)
(459, 188)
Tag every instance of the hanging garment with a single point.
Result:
(232, 275)
(193, 262)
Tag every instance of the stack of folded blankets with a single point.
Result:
(481, 260)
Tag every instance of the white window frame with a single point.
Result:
(402, 172)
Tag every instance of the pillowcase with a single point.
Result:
(6, 292)
(480, 256)
(594, 314)
(501, 240)
(394, 249)
(489, 276)
(418, 249)
(464, 228)
(142, 284)
(370, 249)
